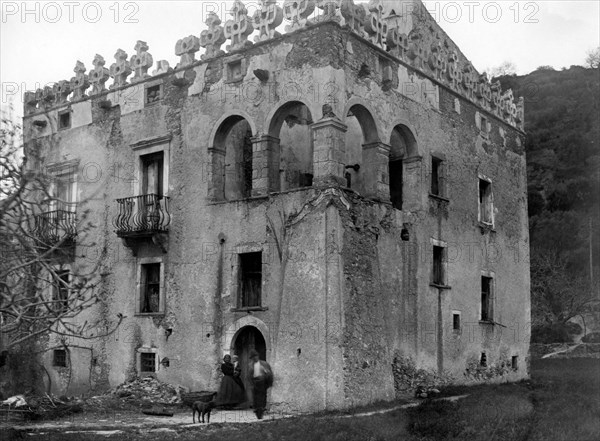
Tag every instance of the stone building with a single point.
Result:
(345, 198)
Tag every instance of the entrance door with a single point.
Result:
(247, 339)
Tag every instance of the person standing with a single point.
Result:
(262, 379)
(230, 393)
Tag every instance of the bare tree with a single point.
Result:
(505, 68)
(42, 289)
(593, 58)
(557, 293)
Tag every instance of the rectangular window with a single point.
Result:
(59, 358)
(147, 362)
(60, 290)
(63, 192)
(64, 119)
(153, 94)
(436, 176)
(456, 322)
(486, 298)
(250, 279)
(515, 363)
(150, 288)
(438, 265)
(484, 125)
(485, 201)
(152, 173)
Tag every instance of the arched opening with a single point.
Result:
(291, 126)
(246, 339)
(402, 146)
(361, 131)
(233, 172)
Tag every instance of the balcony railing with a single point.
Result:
(142, 215)
(56, 226)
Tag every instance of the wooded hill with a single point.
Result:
(562, 121)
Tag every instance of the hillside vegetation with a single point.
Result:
(562, 121)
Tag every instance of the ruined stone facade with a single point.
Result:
(340, 197)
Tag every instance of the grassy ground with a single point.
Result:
(561, 402)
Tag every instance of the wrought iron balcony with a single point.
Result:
(142, 216)
(57, 226)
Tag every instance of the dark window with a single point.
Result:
(150, 290)
(235, 70)
(485, 201)
(60, 358)
(438, 265)
(484, 125)
(483, 360)
(395, 176)
(436, 176)
(152, 173)
(515, 362)
(251, 279)
(153, 94)
(456, 322)
(147, 362)
(486, 298)
(348, 177)
(60, 291)
(64, 119)
(306, 179)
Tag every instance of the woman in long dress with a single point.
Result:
(230, 393)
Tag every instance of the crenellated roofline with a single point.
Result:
(425, 49)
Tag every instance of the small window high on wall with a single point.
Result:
(486, 209)
(436, 177)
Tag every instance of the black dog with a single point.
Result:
(203, 408)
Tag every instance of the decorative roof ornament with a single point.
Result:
(453, 72)
(468, 80)
(483, 91)
(297, 13)
(239, 28)
(186, 49)
(31, 101)
(416, 53)
(80, 82)
(266, 20)
(48, 96)
(162, 67)
(120, 69)
(141, 61)
(99, 75)
(62, 90)
(496, 90)
(212, 39)
(520, 115)
(331, 11)
(397, 42)
(436, 60)
(355, 16)
(375, 25)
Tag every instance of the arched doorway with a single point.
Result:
(246, 339)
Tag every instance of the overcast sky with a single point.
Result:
(40, 42)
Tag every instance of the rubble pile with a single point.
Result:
(151, 390)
